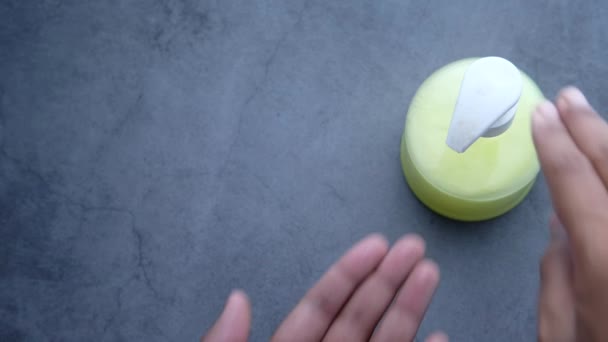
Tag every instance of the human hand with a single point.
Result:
(371, 294)
(572, 144)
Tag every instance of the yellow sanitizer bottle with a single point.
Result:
(467, 150)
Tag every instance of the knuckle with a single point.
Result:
(357, 317)
(326, 304)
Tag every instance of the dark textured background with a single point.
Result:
(156, 154)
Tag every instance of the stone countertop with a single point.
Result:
(157, 154)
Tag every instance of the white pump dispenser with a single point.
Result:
(487, 102)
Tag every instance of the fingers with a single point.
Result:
(438, 337)
(375, 278)
(556, 319)
(312, 317)
(588, 130)
(359, 317)
(578, 193)
(403, 318)
(234, 322)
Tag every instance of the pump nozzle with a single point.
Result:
(487, 102)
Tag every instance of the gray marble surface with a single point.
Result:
(156, 154)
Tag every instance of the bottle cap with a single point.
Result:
(487, 102)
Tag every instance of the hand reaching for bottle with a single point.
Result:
(371, 294)
(572, 144)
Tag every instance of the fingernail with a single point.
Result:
(438, 337)
(428, 272)
(230, 303)
(574, 97)
(545, 113)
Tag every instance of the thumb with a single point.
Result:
(234, 323)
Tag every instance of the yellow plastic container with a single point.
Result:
(490, 177)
